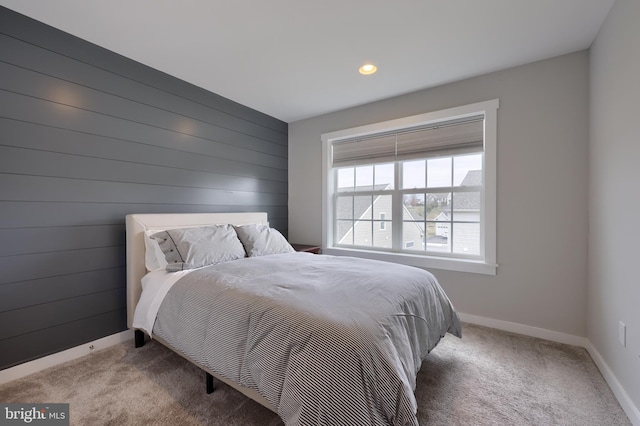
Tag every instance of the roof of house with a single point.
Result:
(467, 200)
(361, 204)
(472, 178)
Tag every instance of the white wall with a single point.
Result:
(614, 194)
(542, 188)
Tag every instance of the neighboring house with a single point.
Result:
(412, 230)
(464, 209)
(442, 228)
(372, 224)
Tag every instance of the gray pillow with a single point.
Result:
(260, 240)
(188, 248)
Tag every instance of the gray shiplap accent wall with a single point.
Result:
(86, 137)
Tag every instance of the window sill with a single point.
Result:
(425, 262)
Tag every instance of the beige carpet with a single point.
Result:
(488, 377)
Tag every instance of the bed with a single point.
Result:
(316, 339)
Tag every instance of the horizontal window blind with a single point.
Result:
(440, 139)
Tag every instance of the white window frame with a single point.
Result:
(486, 266)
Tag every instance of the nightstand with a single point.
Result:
(307, 248)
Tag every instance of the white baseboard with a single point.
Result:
(43, 363)
(623, 398)
(621, 395)
(527, 330)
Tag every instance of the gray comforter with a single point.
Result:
(326, 340)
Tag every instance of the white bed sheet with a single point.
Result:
(155, 286)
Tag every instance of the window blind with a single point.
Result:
(437, 139)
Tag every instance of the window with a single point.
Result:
(383, 222)
(418, 190)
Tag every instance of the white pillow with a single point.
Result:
(189, 248)
(260, 240)
(153, 256)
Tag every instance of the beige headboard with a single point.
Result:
(138, 223)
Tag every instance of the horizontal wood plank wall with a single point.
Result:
(88, 136)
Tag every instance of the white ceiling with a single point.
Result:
(294, 59)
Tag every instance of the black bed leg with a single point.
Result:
(210, 387)
(139, 338)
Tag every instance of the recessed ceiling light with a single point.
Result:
(368, 69)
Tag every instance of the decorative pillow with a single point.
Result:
(189, 248)
(260, 240)
(153, 256)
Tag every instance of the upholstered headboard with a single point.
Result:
(138, 223)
